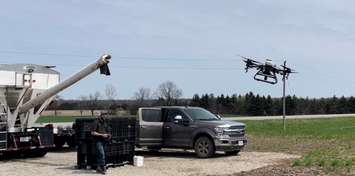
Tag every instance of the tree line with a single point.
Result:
(168, 94)
(252, 104)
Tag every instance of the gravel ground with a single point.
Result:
(284, 169)
(155, 164)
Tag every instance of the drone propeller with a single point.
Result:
(247, 59)
(286, 71)
(250, 63)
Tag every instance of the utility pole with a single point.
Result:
(284, 98)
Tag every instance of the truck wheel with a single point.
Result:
(204, 147)
(41, 153)
(71, 142)
(37, 153)
(235, 152)
(59, 142)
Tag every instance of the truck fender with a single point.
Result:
(200, 132)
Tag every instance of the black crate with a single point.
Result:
(3, 136)
(117, 155)
(83, 128)
(46, 136)
(118, 151)
(121, 128)
(3, 145)
(124, 148)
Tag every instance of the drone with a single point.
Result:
(267, 72)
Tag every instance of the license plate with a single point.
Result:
(25, 139)
(240, 143)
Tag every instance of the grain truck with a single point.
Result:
(25, 92)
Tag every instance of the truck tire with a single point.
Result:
(59, 142)
(204, 147)
(41, 153)
(37, 153)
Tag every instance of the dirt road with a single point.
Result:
(161, 164)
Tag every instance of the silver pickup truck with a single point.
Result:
(189, 128)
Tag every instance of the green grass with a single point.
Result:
(56, 119)
(325, 143)
(337, 128)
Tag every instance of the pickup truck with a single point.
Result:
(189, 128)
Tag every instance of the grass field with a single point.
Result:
(56, 119)
(325, 143)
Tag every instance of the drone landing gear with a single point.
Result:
(267, 78)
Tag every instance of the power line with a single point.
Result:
(15, 52)
(177, 59)
(161, 68)
(189, 67)
(41, 53)
(179, 68)
(129, 58)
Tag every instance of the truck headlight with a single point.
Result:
(220, 129)
(221, 132)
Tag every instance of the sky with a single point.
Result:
(194, 43)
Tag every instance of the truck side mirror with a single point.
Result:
(218, 116)
(177, 119)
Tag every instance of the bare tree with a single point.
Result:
(142, 94)
(83, 103)
(93, 102)
(169, 92)
(111, 94)
(57, 101)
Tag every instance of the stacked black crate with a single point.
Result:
(118, 151)
(112, 151)
(121, 149)
(46, 136)
(85, 142)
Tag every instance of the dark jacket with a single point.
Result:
(101, 127)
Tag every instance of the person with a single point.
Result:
(102, 134)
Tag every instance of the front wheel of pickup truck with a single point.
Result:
(204, 147)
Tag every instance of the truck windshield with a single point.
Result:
(201, 114)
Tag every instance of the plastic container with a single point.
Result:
(138, 161)
(120, 150)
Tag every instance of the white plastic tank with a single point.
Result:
(17, 77)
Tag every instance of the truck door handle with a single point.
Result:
(167, 127)
(144, 127)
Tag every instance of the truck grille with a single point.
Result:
(237, 127)
(235, 131)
